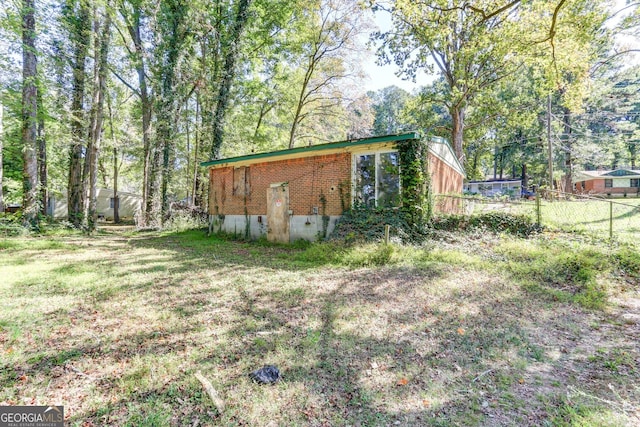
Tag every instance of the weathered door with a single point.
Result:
(278, 213)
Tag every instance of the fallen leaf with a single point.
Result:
(460, 331)
(425, 402)
(521, 380)
(403, 381)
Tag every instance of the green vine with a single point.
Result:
(344, 190)
(417, 206)
(325, 217)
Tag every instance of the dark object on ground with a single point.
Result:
(268, 374)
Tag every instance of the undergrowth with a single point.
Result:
(497, 222)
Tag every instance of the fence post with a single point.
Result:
(538, 210)
(610, 220)
(386, 234)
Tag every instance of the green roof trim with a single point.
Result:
(319, 147)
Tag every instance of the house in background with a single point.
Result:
(300, 193)
(618, 182)
(129, 205)
(495, 187)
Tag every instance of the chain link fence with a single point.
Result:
(610, 219)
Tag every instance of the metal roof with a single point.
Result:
(332, 146)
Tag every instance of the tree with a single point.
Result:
(101, 49)
(174, 36)
(76, 15)
(331, 34)
(470, 45)
(42, 155)
(1, 164)
(475, 45)
(131, 14)
(388, 104)
(228, 73)
(30, 206)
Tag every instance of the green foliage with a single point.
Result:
(416, 204)
(361, 223)
(388, 106)
(497, 222)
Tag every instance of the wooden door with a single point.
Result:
(278, 213)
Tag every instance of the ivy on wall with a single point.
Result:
(417, 207)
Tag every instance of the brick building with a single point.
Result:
(618, 182)
(302, 192)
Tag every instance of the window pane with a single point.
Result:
(366, 180)
(388, 180)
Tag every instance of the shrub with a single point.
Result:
(498, 222)
(11, 225)
(185, 217)
(363, 224)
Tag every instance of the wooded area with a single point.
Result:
(134, 94)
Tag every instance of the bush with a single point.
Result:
(11, 225)
(185, 217)
(363, 224)
(497, 222)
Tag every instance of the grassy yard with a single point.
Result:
(621, 216)
(466, 330)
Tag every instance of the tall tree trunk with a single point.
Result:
(568, 142)
(101, 47)
(228, 74)
(188, 135)
(457, 129)
(42, 158)
(76, 191)
(29, 116)
(116, 169)
(146, 105)
(116, 199)
(1, 168)
(194, 200)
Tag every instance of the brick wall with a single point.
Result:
(596, 186)
(308, 179)
(444, 179)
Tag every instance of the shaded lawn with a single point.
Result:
(115, 327)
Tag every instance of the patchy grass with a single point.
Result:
(465, 330)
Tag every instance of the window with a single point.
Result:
(377, 179)
(608, 183)
(112, 203)
(635, 182)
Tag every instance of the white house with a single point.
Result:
(129, 205)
